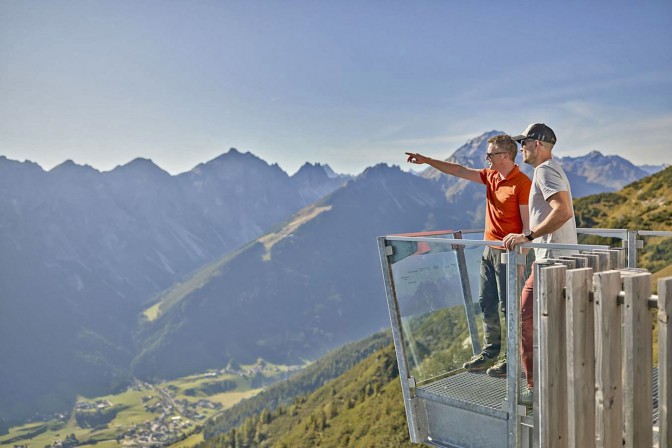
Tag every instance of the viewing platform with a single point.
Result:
(597, 382)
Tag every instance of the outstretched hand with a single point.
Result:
(414, 157)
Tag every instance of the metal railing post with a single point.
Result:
(466, 294)
(632, 248)
(417, 433)
(512, 344)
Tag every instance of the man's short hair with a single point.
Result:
(506, 144)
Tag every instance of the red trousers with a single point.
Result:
(527, 329)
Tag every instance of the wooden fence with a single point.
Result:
(596, 351)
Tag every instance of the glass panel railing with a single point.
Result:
(473, 256)
(429, 282)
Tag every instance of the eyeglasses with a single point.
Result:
(522, 143)
(488, 155)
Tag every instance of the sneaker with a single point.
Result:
(480, 362)
(527, 397)
(498, 370)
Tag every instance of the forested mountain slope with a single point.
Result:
(642, 205)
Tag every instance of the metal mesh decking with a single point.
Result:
(483, 390)
(474, 388)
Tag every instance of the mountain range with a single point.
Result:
(239, 260)
(82, 252)
(312, 284)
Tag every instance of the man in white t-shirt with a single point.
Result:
(551, 221)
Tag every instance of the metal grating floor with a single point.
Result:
(483, 390)
(468, 387)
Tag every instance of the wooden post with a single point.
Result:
(622, 257)
(552, 385)
(604, 260)
(580, 359)
(581, 261)
(614, 255)
(608, 386)
(637, 381)
(567, 261)
(614, 258)
(593, 262)
(665, 361)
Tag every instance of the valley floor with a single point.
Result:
(149, 415)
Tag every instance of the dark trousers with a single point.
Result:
(492, 298)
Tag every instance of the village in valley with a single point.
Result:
(172, 412)
(176, 420)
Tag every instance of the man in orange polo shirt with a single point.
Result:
(507, 194)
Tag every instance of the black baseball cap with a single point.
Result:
(537, 131)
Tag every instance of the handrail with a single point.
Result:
(459, 242)
(565, 246)
(591, 231)
(613, 233)
(421, 234)
(654, 232)
(463, 242)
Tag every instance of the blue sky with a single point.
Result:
(348, 83)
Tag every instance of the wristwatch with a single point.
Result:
(529, 235)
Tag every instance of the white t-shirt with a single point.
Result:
(549, 178)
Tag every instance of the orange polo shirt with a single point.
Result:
(503, 200)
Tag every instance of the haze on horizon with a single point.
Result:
(349, 84)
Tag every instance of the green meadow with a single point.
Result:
(189, 401)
